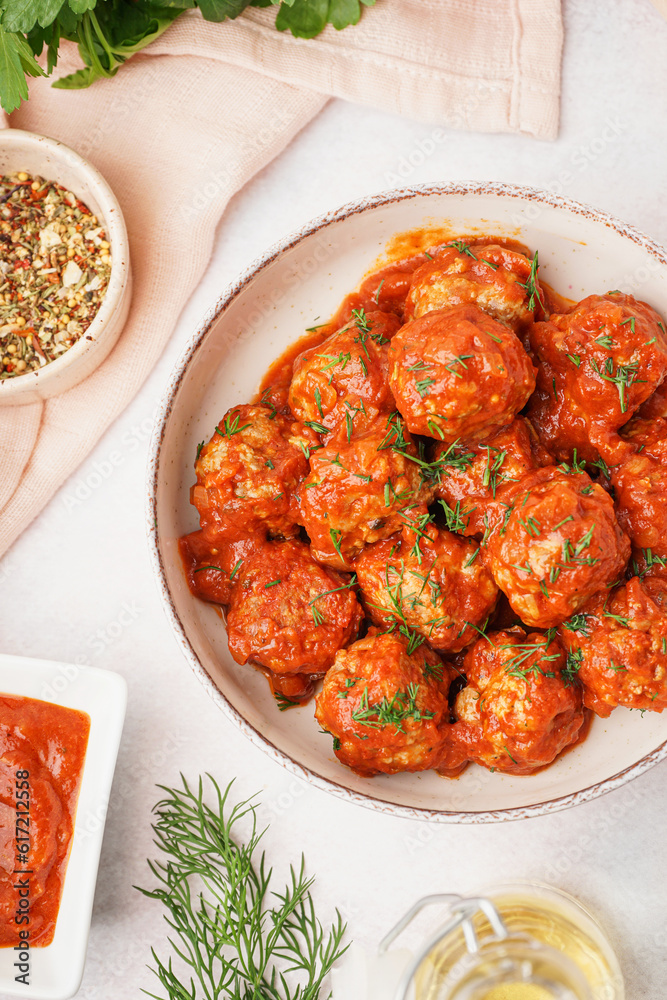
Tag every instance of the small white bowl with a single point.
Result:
(56, 970)
(54, 161)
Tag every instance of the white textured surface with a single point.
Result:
(78, 583)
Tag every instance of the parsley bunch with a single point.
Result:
(108, 32)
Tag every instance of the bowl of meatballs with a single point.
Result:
(408, 505)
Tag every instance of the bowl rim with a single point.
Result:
(163, 413)
(120, 259)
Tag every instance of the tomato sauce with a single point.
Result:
(42, 752)
(385, 287)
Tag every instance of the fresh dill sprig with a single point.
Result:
(390, 711)
(650, 560)
(528, 656)
(531, 286)
(456, 519)
(623, 377)
(236, 937)
(575, 658)
(231, 425)
(461, 247)
(578, 623)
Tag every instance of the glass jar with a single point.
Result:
(515, 942)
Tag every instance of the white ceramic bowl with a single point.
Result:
(54, 161)
(56, 970)
(306, 276)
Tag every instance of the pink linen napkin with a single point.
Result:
(157, 134)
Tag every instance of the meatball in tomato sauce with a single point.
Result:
(471, 477)
(386, 708)
(211, 569)
(640, 488)
(555, 542)
(502, 282)
(656, 405)
(596, 365)
(248, 472)
(350, 367)
(358, 489)
(430, 581)
(617, 647)
(516, 713)
(458, 374)
(289, 614)
(639, 483)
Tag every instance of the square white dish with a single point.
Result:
(56, 970)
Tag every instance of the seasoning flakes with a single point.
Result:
(55, 263)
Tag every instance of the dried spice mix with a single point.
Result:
(55, 263)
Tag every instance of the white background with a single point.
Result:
(78, 584)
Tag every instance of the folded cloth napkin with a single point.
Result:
(175, 153)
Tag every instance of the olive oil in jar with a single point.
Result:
(576, 963)
(522, 942)
(518, 991)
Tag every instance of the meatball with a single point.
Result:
(617, 646)
(386, 708)
(429, 581)
(501, 282)
(458, 375)
(555, 542)
(516, 713)
(247, 473)
(472, 476)
(655, 405)
(212, 569)
(647, 436)
(357, 490)
(640, 487)
(350, 365)
(597, 365)
(288, 613)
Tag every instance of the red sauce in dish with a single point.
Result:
(42, 751)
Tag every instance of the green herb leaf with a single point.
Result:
(23, 15)
(17, 61)
(304, 18)
(81, 6)
(110, 34)
(216, 890)
(220, 10)
(390, 711)
(575, 658)
(231, 426)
